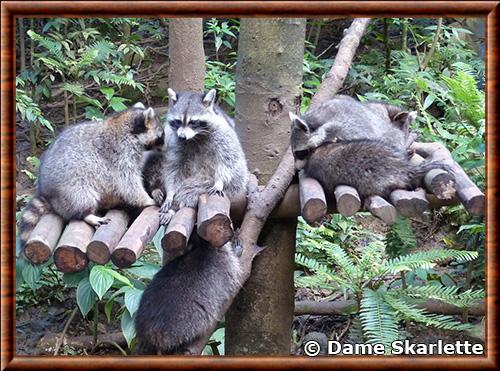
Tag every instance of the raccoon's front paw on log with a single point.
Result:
(95, 220)
(165, 217)
(158, 196)
(215, 191)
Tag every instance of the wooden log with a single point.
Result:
(42, 240)
(214, 224)
(132, 244)
(70, 254)
(467, 192)
(175, 240)
(107, 237)
(437, 181)
(348, 201)
(410, 203)
(312, 199)
(381, 209)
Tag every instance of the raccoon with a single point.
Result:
(95, 165)
(340, 119)
(373, 167)
(204, 154)
(181, 302)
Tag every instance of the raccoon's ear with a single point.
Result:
(139, 105)
(403, 117)
(149, 118)
(172, 96)
(209, 98)
(298, 122)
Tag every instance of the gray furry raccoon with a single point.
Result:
(180, 303)
(340, 119)
(204, 154)
(95, 165)
(373, 167)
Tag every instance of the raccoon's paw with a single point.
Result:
(158, 196)
(237, 247)
(214, 191)
(165, 217)
(95, 220)
(165, 206)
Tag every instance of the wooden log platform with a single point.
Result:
(467, 192)
(348, 201)
(437, 181)
(107, 237)
(410, 203)
(175, 240)
(312, 200)
(381, 209)
(137, 236)
(43, 239)
(214, 224)
(70, 254)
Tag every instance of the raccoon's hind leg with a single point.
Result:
(217, 189)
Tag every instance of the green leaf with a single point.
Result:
(128, 327)
(100, 279)
(85, 296)
(31, 275)
(107, 309)
(108, 92)
(73, 279)
(132, 299)
(144, 270)
(157, 240)
(117, 104)
(119, 277)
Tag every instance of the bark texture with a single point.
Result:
(268, 86)
(187, 62)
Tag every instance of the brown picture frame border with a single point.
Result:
(12, 9)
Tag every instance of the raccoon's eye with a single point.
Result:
(175, 124)
(197, 124)
(301, 155)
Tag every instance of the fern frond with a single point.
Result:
(343, 261)
(411, 312)
(426, 259)
(447, 294)
(378, 320)
(400, 238)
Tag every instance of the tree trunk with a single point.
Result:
(187, 56)
(268, 86)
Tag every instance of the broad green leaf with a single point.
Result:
(107, 309)
(119, 277)
(144, 270)
(108, 92)
(85, 296)
(132, 299)
(128, 327)
(117, 104)
(100, 279)
(31, 275)
(73, 279)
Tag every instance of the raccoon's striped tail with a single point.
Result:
(426, 166)
(34, 210)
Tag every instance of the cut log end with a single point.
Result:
(348, 201)
(475, 205)
(37, 252)
(98, 252)
(441, 184)
(381, 209)
(123, 257)
(314, 211)
(218, 230)
(174, 245)
(70, 259)
(410, 203)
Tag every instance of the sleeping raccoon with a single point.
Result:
(95, 165)
(373, 167)
(181, 302)
(340, 119)
(204, 154)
